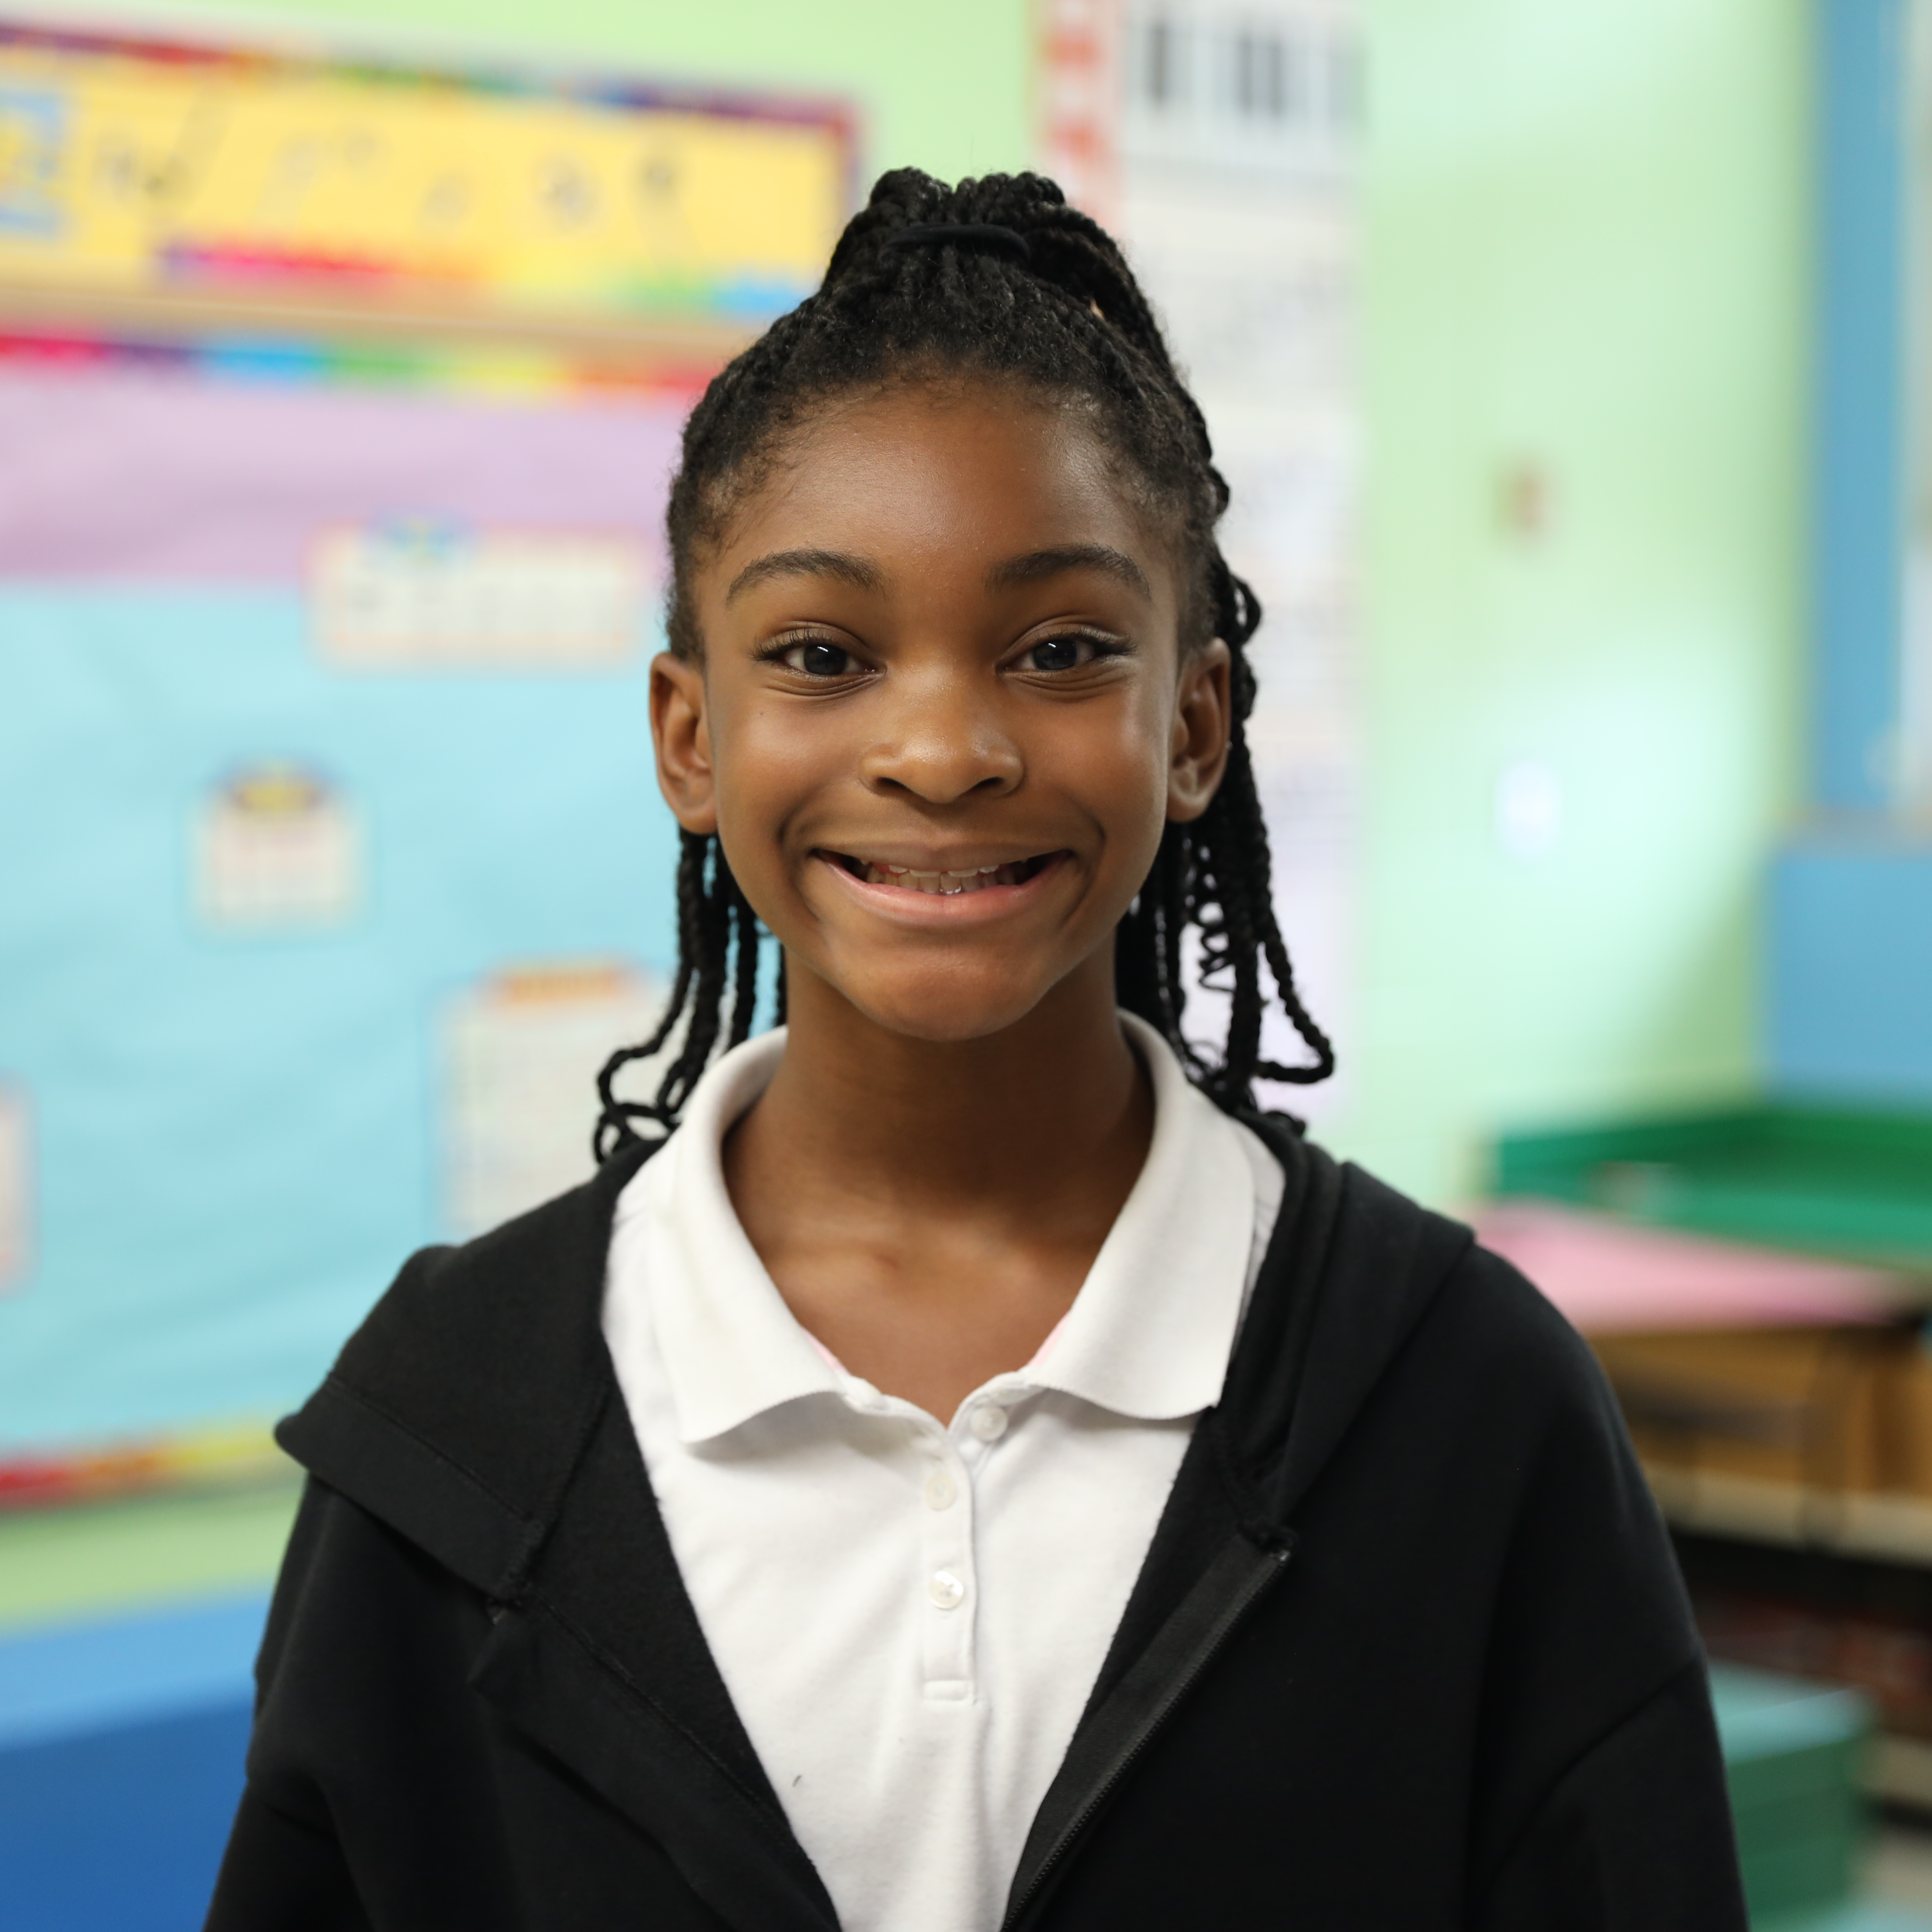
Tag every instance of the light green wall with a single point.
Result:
(1586, 251)
(943, 84)
(96, 1559)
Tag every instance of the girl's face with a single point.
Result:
(942, 716)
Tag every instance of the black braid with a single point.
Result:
(1034, 293)
(710, 905)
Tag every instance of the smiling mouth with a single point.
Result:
(950, 885)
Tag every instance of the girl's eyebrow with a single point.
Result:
(1032, 567)
(848, 569)
(1038, 564)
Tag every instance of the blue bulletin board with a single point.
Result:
(271, 853)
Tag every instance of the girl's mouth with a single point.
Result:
(949, 885)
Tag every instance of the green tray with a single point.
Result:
(1792, 1756)
(1829, 1181)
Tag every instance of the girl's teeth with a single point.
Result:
(908, 880)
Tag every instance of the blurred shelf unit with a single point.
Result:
(1829, 1616)
(1814, 1432)
(1785, 1425)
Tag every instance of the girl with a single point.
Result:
(967, 1468)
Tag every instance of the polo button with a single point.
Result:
(940, 1490)
(946, 1590)
(989, 1422)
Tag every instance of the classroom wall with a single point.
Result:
(1586, 248)
(1587, 252)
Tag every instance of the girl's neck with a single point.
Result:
(1051, 1108)
(929, 1209)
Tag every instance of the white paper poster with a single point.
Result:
(1234, 144)
(422, 594)
(276, 850)
(521, 1054)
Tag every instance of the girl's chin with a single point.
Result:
(948, 1009)
(946, 1024)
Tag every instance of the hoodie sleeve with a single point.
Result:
(281, 1874)
(1635, 1836)
(284, 1870)
(1602, 1801)
(370, 1800)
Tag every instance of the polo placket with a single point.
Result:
(949, 1582)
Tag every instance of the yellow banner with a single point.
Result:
(126, 166)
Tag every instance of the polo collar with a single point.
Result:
(1150, 1332)
(731, 1347)
(1147, 1337)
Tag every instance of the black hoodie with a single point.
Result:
(1409, 1649)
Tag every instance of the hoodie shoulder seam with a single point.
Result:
(335, 1384)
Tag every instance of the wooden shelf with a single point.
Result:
(1899, 1771)
(1891, 1528)
(1888, 1528)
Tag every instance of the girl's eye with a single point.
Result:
(817, 659)
(1059, 654)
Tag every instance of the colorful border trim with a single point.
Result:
(532, 376)
(240, 1455)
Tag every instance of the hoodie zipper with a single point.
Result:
(1269, 1564)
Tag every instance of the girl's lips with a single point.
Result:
(912, 879)
(905, 893)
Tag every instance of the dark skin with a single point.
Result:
(942, 718)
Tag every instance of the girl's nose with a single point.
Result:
(944, 745)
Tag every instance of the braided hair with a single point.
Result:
(997, 279)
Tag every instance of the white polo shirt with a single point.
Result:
(910, 1614)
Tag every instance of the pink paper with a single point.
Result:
(1608, 1276)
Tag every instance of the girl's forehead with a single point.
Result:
(957, 462)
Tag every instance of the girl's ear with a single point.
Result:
(1204, 719)
(681, 731)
